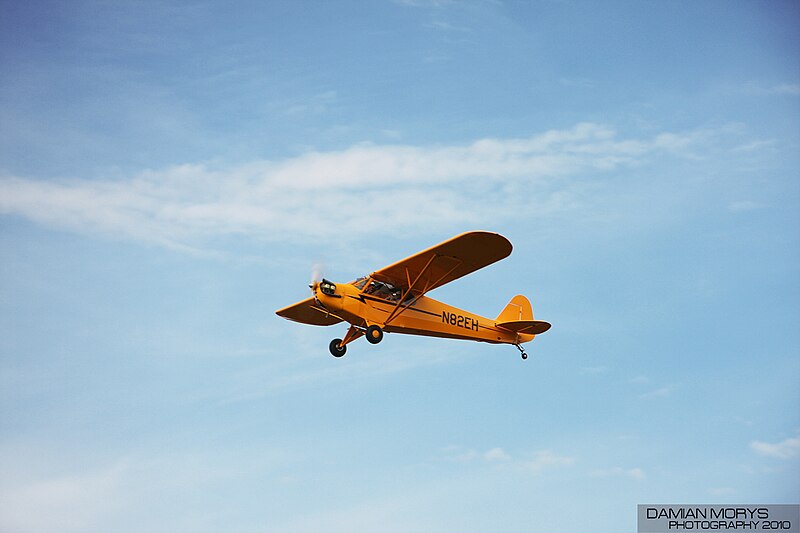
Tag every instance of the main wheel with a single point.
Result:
(374, 334)
(336, 349)
(524, 355)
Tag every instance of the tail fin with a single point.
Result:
(517, 316)
(519, 308)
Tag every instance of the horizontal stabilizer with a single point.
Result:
(528, 327)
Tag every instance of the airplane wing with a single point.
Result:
(308, 312)
(445, 262)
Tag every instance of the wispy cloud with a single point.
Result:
(785, 88)
(534, 462)
(581, 83)
(594, 370)
(546, 459)
(447, 26)
(617, 471)
(496, 454)
(661, 392)
(277, 378)
(319, 194)
(785, 449)
(755, 145)
(788, 89)
(744, 205)
(319, 103)
(68, 502)
(722, 491)
(39, 496)
(425, 3)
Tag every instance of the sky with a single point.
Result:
(172, 172)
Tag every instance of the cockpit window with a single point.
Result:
(360, 282)
(385, 291)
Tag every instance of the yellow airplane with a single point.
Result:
(393, 300)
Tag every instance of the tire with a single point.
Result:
(336, 350)
(374, 334)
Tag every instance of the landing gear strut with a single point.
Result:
(338, 347)
(521, 351)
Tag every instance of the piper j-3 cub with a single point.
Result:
(393, 299)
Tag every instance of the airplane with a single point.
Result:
(393, 299)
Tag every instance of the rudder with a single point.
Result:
(518, 309)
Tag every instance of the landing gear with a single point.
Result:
(337, 348)
(521, 351)
(374, 334)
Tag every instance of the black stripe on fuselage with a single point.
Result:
(364, 297)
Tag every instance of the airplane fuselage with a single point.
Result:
(418, 316)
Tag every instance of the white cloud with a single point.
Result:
(617, 471)
(534, 463)
(635, 473)
(65, 503)
(661, 392)
(722, 491)
(352, 191)
(754, 146)
(319, 103)
(592, 370)
(496, 454)
(786, 88)
(546, 459)
(744, 205)
(41, 490)
(447, 26)
(425, 3)
(581, 83)
(307, 372)
(460, 454)
(786, 449)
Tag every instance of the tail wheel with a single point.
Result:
(521, 351)
(337, 350)
(374, 334)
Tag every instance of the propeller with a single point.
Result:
(316, 276)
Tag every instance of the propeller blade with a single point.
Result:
(316, 275)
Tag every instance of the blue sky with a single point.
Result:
(170, 173)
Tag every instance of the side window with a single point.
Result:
(373, 285)
(384, 291)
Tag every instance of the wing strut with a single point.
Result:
(399, 308)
